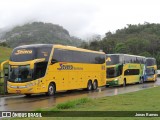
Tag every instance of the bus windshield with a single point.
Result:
(30, 53)
(112, 59)
(114, 71)
(150, 71)
(150, 62)
(20, 74)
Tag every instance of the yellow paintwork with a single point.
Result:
(131, 78)
(27, 87)
(154, 78)
(63, 79)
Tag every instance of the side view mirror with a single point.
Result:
(53, 61)
(6, 75)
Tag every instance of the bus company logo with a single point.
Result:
(65, 67)
(108, 59)
(23, 51)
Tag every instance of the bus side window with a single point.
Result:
(120, 68)
(40, 69)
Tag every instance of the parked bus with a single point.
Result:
(47, 68)
(151, 71)
(124, 69)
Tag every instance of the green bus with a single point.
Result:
(122, 69)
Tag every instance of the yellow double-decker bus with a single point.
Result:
(151, 71)
(47, 68)
(124, 69)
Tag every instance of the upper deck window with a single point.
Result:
(150, 62)
(30, 53)
(64, 55)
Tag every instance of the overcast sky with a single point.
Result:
(80, 17)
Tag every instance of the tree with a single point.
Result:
(121, 48)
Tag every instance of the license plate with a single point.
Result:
(18, 91)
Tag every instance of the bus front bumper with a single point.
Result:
(112, 83)
(21, 88)
(151, 78)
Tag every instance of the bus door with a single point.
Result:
(60, 76)
(74, 77)
(103, 75)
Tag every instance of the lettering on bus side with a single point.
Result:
(23, 51)
(65, 67)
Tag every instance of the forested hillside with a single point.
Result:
(39, 32)
(142, 39)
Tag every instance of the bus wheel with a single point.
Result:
(89, 85)
(124, 83)
(141, 80)
(51, 89)
(95, 85)
(107, 86)
(28, 95)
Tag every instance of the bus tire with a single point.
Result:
(141, 80)
(51, 89)
(107, 86)
(28, 95)
(89, 85)
(124, 83)
(95, 85)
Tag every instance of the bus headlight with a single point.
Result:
(116, 79)
(31, 84)
(22, 86)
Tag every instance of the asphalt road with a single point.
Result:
(22, 103)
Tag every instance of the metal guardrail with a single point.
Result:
(3, 85)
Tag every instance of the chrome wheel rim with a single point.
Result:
(51, 90)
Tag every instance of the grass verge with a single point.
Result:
(68, 105)
(144, 100)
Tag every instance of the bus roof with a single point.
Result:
(76, 49)
(150, 58)
(127, 55)
(35, 45)
(59, 46)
